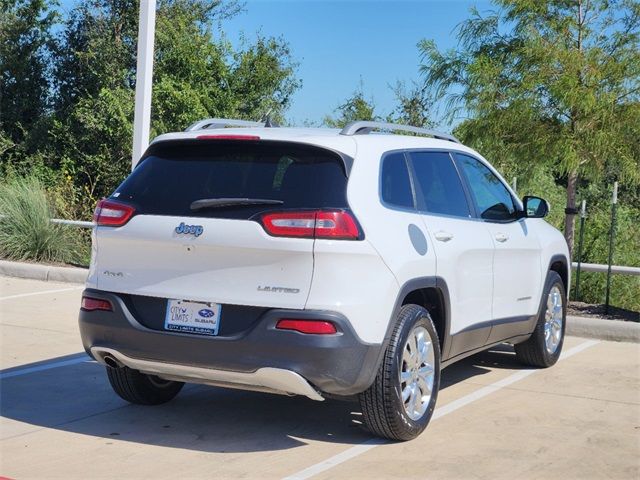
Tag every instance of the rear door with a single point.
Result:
(463, 247)
(219, 253)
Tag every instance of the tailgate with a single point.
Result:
(231, 261)
(182, 242)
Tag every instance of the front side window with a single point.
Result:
(493, 200)
(438, 184)
(395, 183)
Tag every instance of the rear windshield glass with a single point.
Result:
(175, 175)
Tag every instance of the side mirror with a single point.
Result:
(535, 207)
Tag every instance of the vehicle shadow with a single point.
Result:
(77, 398)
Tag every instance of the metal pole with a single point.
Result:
(612, 233)
(144, 77)
(514, 184)
(583, 215)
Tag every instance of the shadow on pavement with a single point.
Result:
(77, 398)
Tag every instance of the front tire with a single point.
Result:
(140, 388)
(544, 346)
(400, 402)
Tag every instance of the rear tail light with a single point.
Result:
(112, 214)
(336, 225)
(290, 224)
(339, 225)
(314, 327)
(91, 304)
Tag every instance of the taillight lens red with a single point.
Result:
(314, 327)
(336, 225)
(91, 304)
(339, 225)
(112, 214)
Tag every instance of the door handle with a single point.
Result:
(502, 237)
(443, 236)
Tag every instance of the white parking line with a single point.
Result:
(45, 366)
(357, 450)
(43, 292)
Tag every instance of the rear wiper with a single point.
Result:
(230, 202)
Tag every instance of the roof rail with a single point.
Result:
(363, 127)
(221, 123)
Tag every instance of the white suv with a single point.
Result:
(318, 262)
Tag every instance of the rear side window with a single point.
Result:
(175, 175)
(396, 186)
(438, 184)
(493, 200)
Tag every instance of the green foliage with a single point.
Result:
(262, 79)
(415, 106)
(96, 50)
(356, 107)
(624, 290)
(26, 232)
(95, 143)
(25, 42)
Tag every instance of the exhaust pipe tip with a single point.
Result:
(112, 362)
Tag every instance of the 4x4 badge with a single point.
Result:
(183, 229)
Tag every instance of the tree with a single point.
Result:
(197, 75)
(93, 110)
(262, 79)
(25, 43)
(96, 50)
(356, 107)
(553, 82)
(414, 106)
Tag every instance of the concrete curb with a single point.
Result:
(614, 330)
(43, 272)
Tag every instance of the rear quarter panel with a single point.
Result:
(372, 271)
(349, 277)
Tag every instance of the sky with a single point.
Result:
(340, 45)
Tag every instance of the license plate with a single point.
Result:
(192, 317)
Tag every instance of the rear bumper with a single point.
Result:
(273, 380)
(259, 358)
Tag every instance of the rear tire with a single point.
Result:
(400, 402)
(140, 388)
(544, 346)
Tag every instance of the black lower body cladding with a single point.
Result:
(339, 364)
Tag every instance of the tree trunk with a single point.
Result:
(569, 224)
(572, 181)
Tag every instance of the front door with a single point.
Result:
(517, 270)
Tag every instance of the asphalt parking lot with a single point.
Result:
(495, 419)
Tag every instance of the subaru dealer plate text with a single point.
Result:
(192, 317)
